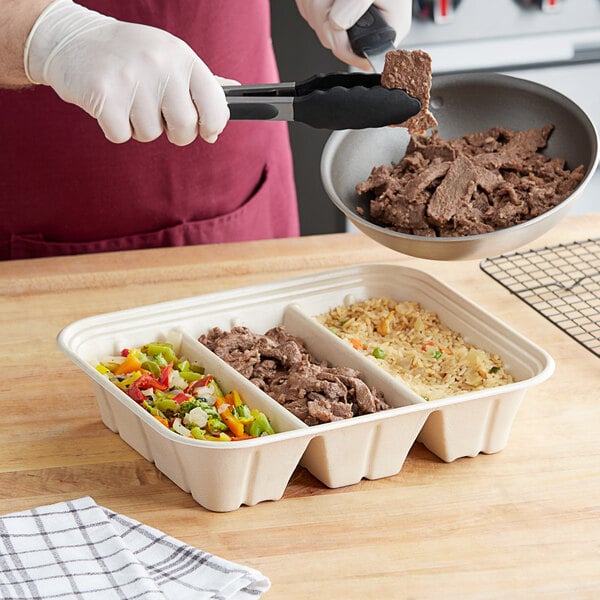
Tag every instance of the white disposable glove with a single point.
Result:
(332, 18)
(134, 79)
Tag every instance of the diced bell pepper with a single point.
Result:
(152, 367)
(131, 363)
(223, 406)
(260, 425)
(163, 348)
(103, 370)
(216, 426)
(167, 405)
(198, 433)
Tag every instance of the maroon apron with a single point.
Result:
(65, 189)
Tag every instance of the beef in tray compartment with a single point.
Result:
(281, 365)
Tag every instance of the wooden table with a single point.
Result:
(523, 523)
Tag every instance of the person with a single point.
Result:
(102, 104)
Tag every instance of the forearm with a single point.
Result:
(17, 19)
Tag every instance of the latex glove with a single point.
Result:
(330, 20)
(135, 80)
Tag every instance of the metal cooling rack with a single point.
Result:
(560, 282)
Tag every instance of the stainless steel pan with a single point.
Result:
(464, 104)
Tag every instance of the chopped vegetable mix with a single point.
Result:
(181, 396)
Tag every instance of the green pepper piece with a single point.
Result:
(190, 375)
(215, 388)
(151, 409)
(198, 433)
(215, 426)
(261, 425)
(163, 348)
(160, 360)
(243, 413)
(167, 405)
(151, 366)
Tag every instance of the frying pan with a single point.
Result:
(463, 104)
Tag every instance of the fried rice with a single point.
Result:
(415, 346)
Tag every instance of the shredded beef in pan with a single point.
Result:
(280, 365)
(475, 184)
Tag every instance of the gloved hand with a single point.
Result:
(134, 79)
(332, 18)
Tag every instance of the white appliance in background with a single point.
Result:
(553, 42)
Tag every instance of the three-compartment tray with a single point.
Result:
(222, 476)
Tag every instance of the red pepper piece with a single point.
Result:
(165, 372)
(181, 398)
(147, 381)
(135, 393)
(199, 383)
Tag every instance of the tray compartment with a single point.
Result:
(470, 427)
(342, 452)
(370, 446)
(220, 476)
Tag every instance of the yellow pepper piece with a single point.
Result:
(124, 385)
(234, 424)
(131, 363)
(237, 401)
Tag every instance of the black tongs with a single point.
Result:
(330, 101)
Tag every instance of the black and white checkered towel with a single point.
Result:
(78, 549)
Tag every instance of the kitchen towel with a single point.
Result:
(78, 549)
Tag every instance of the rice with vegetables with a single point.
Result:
(413, 345)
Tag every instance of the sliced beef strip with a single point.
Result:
(519, 146)
(378, 180)
(429, 147)
(456, 189)
(299, 408)
(421, 181)
(401, 216)
(324, 410)
(281, 366)
(410, 70)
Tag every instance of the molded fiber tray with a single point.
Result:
(223, 476)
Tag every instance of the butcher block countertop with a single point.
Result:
(522, 523)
